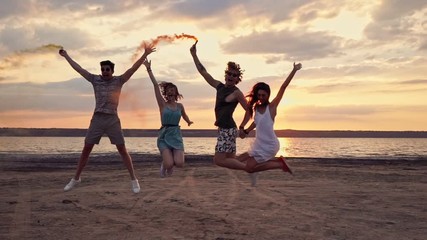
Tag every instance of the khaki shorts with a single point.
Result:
(226, 141)
(108, 124)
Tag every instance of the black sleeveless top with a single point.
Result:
(224, 110)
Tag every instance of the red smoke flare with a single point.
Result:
(161, 38)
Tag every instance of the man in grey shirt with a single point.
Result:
(105, 120)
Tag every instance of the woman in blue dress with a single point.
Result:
(169, 141)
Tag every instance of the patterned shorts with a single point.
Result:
(226, 141)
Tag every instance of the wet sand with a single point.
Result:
(334, 199)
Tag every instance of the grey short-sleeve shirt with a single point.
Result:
(107, 93)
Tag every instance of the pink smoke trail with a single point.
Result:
(161, 38)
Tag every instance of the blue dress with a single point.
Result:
(170, 136)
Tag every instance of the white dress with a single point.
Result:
(266, 144)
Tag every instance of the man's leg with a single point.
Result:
(127, 160)
(84, 157)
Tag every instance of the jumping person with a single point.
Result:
(227, 98)
(105, 119)
(261, 155)
(169, 140)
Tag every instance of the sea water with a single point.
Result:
(345, 148)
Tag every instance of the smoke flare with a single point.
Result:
(42, 49)
(15, 59)
(161, 38)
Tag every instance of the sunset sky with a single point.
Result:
(364, 61)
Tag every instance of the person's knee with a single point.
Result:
(178, 161)
(167, 164)
(179, 164)
(218, 161)
(250, 165)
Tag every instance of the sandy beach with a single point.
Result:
(324, 200)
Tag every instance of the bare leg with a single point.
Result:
(84, 157)
(274, 163)
(243, 157)
(251, 163)
(127, 160)
(253, 166)
(167, 158)
(178, 158)
(269, 165)
(228, 160)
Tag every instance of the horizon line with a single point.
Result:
(214, 129)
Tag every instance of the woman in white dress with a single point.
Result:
(262, 154)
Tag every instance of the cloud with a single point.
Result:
(201, 9)
(226, 14)
(334, 88)
(399, 21)
(292, 44)
(415, 82)
(25, 44)
(339, 110)
(313, 10)
(34, 36)
(343, 112)
(11, 8)
(14, 39)
(368, 87)
(391, 9)
(232, 13)
(340, 72)
(423, 45)
(75, 94)
(25, 8)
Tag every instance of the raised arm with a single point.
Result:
(159, 97)
(87, 75)
(185, 116)
(285, 84)
(242, 100)
(128, 74)
(202, 70)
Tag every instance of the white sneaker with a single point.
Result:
(72, 184)
(162, 171)
(135, 186)
(254, 178)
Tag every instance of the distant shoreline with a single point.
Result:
(77, 132)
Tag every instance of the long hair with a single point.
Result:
(253, 95)
(165, 85)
